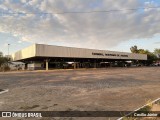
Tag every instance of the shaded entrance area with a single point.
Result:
(46, 63)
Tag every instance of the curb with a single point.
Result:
(139, 108)
(5, 90)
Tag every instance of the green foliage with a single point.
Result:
(1, 54)
(150, 56)
(4, 63)
(6, 68)
(134, 49)
(157, 51)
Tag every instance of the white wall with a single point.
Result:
(33, 66)
(58, 51)
(25, 53)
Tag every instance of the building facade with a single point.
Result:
(39, 56)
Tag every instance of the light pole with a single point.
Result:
(8, 55)
(8, 50)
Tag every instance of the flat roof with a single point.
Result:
(52, 51)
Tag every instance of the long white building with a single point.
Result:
(39, 55)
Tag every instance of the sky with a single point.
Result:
(116, 31)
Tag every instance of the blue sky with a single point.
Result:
(109, 31)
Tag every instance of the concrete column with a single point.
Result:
(47, 65)
(74, 65)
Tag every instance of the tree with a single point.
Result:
(157, 51)
(151, 57)
(134, 49)
(142, 51)
(1, 54)
(3, 61)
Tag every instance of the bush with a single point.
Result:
(5, 68)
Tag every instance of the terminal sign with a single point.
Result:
(101, 54)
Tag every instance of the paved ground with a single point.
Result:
(92, 89)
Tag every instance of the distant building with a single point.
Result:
(17, 65)
(39, 56)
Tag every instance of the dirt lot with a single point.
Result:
(92, 89)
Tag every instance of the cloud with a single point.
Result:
(19, 41)
(94, 30)
(157, 43)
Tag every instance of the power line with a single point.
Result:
(83, 12)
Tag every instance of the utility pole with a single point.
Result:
(8, 50)
(8, 54)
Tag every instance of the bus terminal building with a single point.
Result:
(40, 56)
